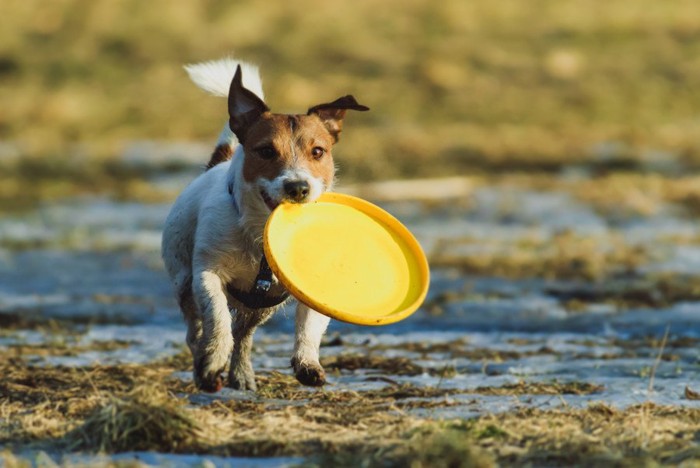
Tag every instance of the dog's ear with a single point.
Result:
(332, 113)
(244, 106)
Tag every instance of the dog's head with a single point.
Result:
(287, 157)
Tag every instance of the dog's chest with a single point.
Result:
(241, 280)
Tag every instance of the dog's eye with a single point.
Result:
(267, 152)
(318, 152)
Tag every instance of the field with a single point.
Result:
(459, 87)
(545, 154)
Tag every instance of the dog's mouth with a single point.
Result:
(271, 204)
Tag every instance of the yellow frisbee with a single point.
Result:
(347, 259)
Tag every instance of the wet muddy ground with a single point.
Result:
(550, 312)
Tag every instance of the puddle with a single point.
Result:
(161, 459)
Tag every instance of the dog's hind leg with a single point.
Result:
(214, 347)
(310, 327)
(241, 375)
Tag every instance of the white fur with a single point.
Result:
(213, 239)
(215, 78)
(310, 327)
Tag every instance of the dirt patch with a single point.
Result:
(638, 194)
(64, 348)
(354, 362)
(32, 320)
(653, 291)
(424, 347)
(542, 388)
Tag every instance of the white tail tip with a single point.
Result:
(215, 76)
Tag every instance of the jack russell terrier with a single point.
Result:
(212, 240)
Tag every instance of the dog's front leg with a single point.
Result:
(216, 343)
(310, 327)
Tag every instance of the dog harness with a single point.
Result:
(258, 297)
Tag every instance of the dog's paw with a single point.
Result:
(242, 379)
(211, 382)
(208, 367)
(309, 373)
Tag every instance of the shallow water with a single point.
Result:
(96, 263)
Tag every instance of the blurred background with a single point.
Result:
(455, 87)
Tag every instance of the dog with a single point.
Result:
(212, 239)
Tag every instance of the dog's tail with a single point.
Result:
(215, 78)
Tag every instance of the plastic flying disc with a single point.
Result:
(348, 259)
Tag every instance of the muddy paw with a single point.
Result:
(240, 379)
(207, 378)
(310, 374)
(211, 382)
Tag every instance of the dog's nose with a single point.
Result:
(297, 190)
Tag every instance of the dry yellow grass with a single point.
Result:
(138, 407)
(638, 194)
(453, 85)
(565, 256)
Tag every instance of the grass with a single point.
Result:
(145, 418)
(117, 408)
(54, 177)
(649, 291)
(68, 348)
(454, 87)
(565, 255)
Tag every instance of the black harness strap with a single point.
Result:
(257, 297)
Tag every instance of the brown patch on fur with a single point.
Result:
(221, 154)
(293, 143)
(312, 133)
